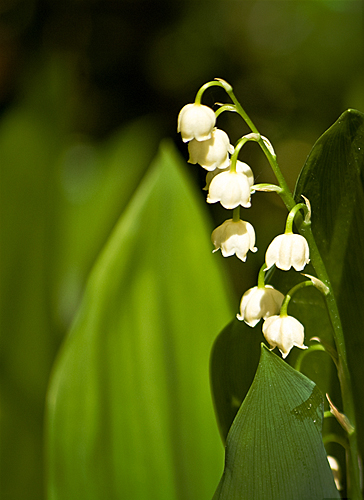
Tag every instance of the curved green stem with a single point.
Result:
(240, 143)
(285, 194)
(213, 83)
(292, 215)
(303, 354)
(261, 276)
(335, 438)
(291, 292)
(225, 107)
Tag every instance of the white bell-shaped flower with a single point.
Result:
(234, 238)
(284, 332)
(241, 167)
(258, 303)
(231, 189)
(212, 153)
(196, 121)
(288, 250)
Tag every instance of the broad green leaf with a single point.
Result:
(274, 447)
(129, 408)
(332, 179)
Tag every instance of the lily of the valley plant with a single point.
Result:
(230, 182)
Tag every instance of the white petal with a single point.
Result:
(244, 168)
(212, 153)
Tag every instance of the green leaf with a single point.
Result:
(332, 179)
(274, 448)
(29, 144)
(129, 409)
(61, 196)
(233, 364)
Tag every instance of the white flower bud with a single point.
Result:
(284, 333)
(196, 121)
(286, 251)
(258, 303)
(212, 153)
(231, 189)
(234, 238)
(241, 167)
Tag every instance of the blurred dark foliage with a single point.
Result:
(292, 63)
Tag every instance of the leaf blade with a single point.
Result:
(274, 447)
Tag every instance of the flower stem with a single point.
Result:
(291, 292)
(261, 276)
(304, 227)
(236, 214)
(213, 83)
(240, 143)
(292, 215)
(303, 354)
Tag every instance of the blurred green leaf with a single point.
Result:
(129, 409)
(274, 448)
(28, 148)
(95, 182)
(61, 196)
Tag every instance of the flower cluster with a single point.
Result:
(227, 182)
(231, 183)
